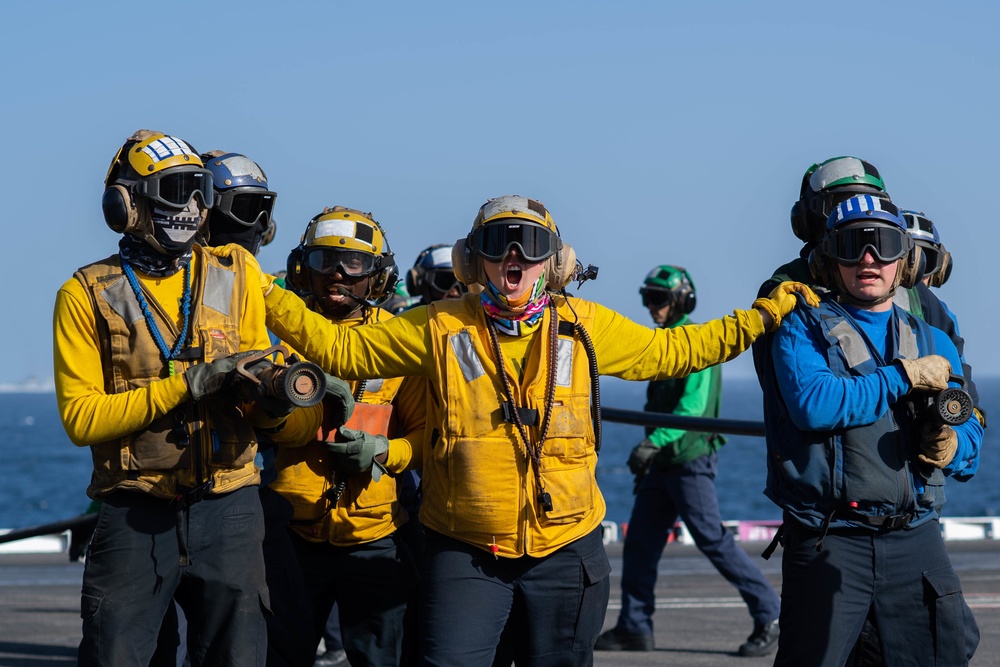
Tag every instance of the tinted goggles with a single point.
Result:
(325, 261)
(534, 242)
(848, 245)
(443, 281)
(246, 205)
(655, 298)
(176, 188)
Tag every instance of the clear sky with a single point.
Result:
(655, 132)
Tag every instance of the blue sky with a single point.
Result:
(655, 132)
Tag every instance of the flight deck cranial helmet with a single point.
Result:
(512, 220)
(350, 242)
(925, 235)
(154, 174)
(433, 276)
(243, 203)
(859, 225)
(825, 185)
(669, 285)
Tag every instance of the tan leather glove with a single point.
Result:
(782, 300)
(938, 443)
(928, 373)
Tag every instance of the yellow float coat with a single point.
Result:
(477, 483)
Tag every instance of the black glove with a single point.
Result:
(642, 457)
(339, 400)
(356, 451)
(208, 379)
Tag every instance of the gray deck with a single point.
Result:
(700, 619)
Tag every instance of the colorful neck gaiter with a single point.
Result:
(516, 319)
(146, 259)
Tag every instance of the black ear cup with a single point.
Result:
(819, 267)
(295, 273)
(798, 218)
(463, 261)
(384, 280)
(120, 210)
(414, 282)
(689, 303)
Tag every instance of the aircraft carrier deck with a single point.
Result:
(700, 619)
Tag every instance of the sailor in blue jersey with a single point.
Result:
(848, 463)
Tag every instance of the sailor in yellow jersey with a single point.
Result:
(511, 505)
(143, 349)
(345, 512)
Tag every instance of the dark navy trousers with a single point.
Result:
(146, 552)
(903, 578)
(548, 610)
(686, 491)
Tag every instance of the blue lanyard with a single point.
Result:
(168, 355)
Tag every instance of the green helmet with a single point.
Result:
(826, 184)
(668, 284)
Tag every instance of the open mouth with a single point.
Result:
(514, 274)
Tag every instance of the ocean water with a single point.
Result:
(44, 477)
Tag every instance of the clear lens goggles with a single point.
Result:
(246, 205)
(176, 188)
(534, 242)
(443, 281)
(325, 261)
(655, 298)
(848, 245)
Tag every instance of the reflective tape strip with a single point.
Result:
(564, 362)
(854, 348)
(907, 341)
(466, 355)
(120, 297)
(218, 289)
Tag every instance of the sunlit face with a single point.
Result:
(870, 280)
(513, 276)
(334, 304)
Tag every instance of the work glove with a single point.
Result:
(209, 379)
(339, 400)
(938, 444)
(642, 457)
(356, 451)
(928, 373)
(782, 300)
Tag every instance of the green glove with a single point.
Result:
(356, 451)
(929, 373)
(339, 400)
(782, 300)
(642, 457)
(209, 379)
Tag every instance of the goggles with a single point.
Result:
(246, 205)
(933, 258)
(653, 297)
(353, 263)
(534, 242)
(443, 281)
(176, 188)
(849, 244)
